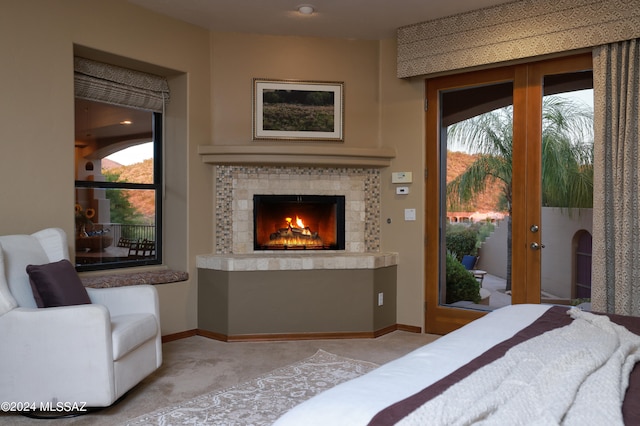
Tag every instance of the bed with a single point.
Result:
(520, 364)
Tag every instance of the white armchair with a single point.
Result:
(89, 353)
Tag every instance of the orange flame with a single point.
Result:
(299, 224)
(295, 234)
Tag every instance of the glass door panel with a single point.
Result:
(468, 195)
(476, 153)
(497, 164)
(567, 188)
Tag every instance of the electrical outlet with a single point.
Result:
(380, 299)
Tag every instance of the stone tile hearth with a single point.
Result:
(297, 261)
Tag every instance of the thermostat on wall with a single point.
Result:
(401, 177)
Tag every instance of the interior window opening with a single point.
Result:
(117, 182)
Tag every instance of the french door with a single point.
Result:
(484, 146)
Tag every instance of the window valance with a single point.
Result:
(120, 86)
(512, 31)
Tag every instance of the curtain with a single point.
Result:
(616, 211)
(107, 83)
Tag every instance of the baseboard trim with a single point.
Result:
(385, 330)
(181, 335)
(289, 336)
(298, 336)
(409, 328)
(213, 335)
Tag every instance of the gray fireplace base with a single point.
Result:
(298, 303)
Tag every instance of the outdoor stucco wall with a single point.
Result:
(558, 230)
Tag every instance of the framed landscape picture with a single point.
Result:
(298, 110)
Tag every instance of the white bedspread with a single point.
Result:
(574, 375)
(355, 402)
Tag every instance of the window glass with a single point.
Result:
(117, 208)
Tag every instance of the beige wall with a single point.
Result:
(402, 126)
(238, 58)
(37, 41)
(380, 110)
(211, 89)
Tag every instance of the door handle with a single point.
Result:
(536, 246)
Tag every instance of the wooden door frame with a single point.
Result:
(528, 260)
(526, 181)
(440, 319)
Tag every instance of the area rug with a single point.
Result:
(263, 400)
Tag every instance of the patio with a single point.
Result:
(498, 297)
(497, 287)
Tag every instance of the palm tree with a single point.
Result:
(567, 158)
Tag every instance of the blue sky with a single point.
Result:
(135, 154)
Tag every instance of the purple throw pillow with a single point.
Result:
(56, 284)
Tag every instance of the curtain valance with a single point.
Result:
(120, 86)
(513, 31)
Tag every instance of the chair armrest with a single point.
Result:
(127, 300)
(135, 299)
(79, 326)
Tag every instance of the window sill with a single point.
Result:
(164, 276)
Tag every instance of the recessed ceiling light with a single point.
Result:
(306, 9)
(126, 122)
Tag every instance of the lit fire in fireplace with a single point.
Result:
(299, 225)
(298, 222)
(295, 234)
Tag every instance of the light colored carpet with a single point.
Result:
(262, 400)
(196, 365)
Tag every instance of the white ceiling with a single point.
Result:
(350, 19)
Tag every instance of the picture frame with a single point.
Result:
(298, 110)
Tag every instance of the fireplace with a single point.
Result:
(299, 222)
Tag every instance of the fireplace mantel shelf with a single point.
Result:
(293, 154)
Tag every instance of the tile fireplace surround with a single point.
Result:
(296, 294)
(236, 186)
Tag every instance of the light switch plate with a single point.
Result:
(402, 190)
(409, 214)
